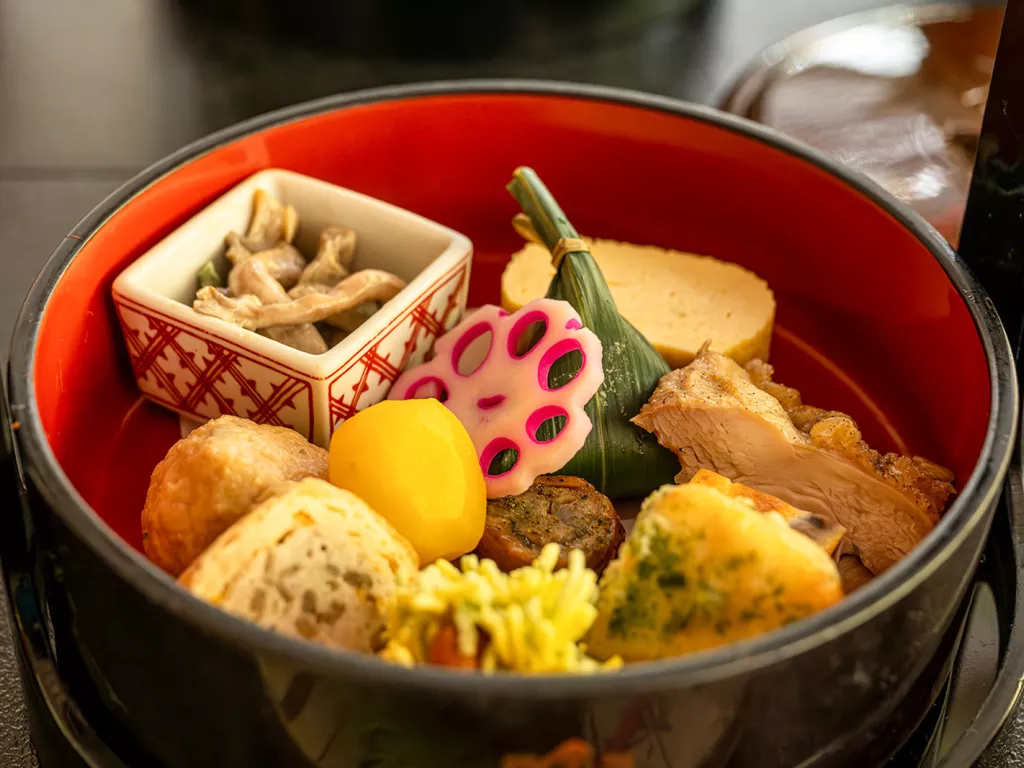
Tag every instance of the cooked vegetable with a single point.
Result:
(271, 223)
(236, 251)
(283, 263)
(309, 561)
(251, 313)
(617, 457)
(211, 478)
(714, 415)
(676, 300)
(413, 462)
(253, 277)
(265, 265)
(701, 569)
(528, 621)
(351, 319)
(573, 753)
(333, 258)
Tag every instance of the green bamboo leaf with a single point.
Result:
(620, 459)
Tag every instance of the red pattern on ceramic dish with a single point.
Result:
(188, 371)
(199, 375)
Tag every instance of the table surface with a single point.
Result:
(92, 92)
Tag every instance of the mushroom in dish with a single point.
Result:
(271, 288)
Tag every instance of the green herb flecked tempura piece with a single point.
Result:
(702, 569)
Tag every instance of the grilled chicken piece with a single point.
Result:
(823, 531)
(926, 482)
(563, 510)
(713, 416)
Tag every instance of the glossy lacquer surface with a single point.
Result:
(870, 321)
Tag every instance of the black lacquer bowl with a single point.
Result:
(877, 317)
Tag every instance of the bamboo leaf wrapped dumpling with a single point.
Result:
(617, 457)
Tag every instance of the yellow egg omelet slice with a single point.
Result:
(676, 300)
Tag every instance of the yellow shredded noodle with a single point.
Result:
(533, 617)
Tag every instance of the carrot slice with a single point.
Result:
(444, 651)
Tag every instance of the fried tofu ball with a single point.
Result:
(702, 569)
(211, 478)
(311, 561)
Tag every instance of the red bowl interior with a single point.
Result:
(868, 321)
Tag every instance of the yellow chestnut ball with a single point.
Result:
(415, 464)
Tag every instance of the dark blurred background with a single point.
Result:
(92, 91)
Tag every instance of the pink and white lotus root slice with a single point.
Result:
(504, 401)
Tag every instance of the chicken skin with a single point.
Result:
(713, 414)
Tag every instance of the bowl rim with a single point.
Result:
(38, 462)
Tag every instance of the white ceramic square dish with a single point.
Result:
(203, 367)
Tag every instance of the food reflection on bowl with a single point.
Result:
(451, 682)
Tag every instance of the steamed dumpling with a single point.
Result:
(310, 561)
(212, 477)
